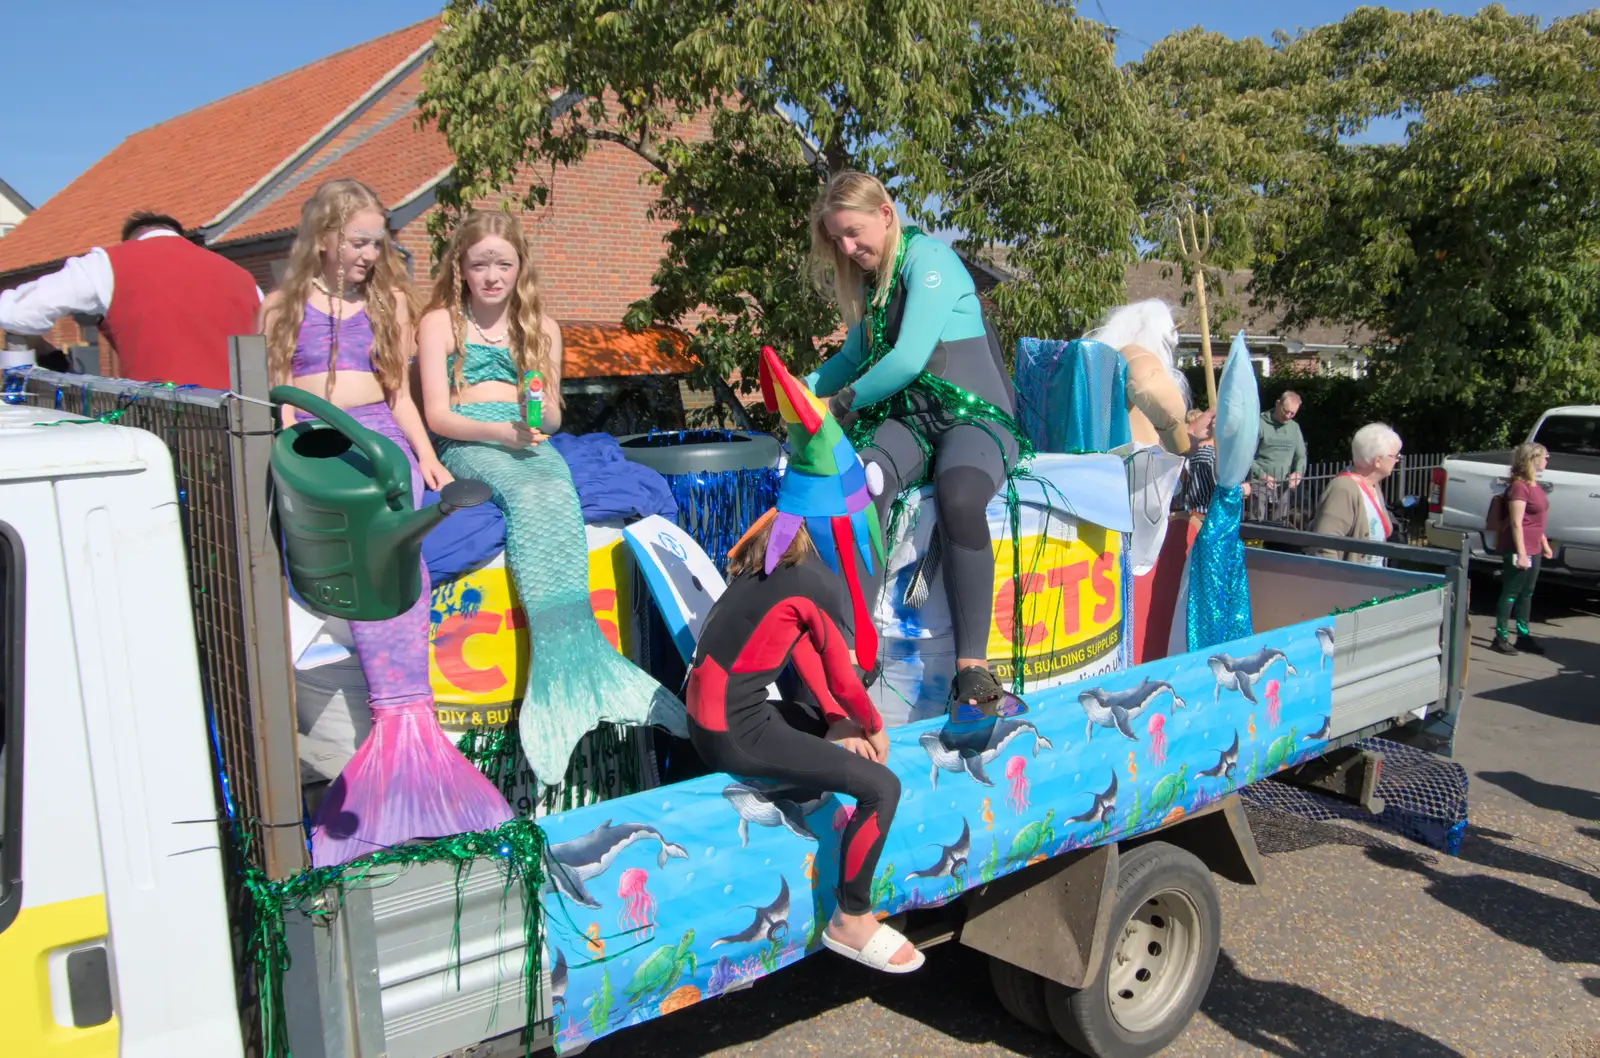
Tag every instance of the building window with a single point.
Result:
(12, 600)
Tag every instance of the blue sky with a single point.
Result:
(80, 75)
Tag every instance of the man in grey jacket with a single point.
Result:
(1280, 459)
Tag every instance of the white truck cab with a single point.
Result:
(114, 934)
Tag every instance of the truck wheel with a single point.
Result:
(1161, 950)
(1021, 992)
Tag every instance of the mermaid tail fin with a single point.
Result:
(572, 664)
(406, 781)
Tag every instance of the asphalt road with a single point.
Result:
(1359, 943)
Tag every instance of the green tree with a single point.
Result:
(1004, 118)
(1471, 247)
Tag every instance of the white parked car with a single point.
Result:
(1458, 499)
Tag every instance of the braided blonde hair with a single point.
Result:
(530, 346)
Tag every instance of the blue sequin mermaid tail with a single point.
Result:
(576, 680)
(1219, 588)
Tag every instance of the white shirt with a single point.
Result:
(83, 286)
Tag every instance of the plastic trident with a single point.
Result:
(825, 488)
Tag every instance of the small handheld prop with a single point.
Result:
(533, 398)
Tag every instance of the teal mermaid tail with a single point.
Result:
(576, 679)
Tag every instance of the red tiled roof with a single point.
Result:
(384, 149)
(196, 164)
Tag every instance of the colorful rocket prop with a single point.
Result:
(533, 398)
(1217, 599)
(824, 487)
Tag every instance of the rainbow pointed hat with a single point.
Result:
(824, 487)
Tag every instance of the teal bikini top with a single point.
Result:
(484, 363)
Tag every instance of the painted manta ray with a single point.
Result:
(772, 921)
(558, 983)
(1102, 807)
(1226, 763)
(948, 757)
(1119, 709)
(1325, 637)
(1241, 674)
(572, 863)
(773, 805)
(1320, 733)
(952, 862)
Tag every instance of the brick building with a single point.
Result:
(237, 171)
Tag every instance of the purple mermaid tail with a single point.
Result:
(407, 780)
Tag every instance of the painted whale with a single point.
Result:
(773, 805)
(1226, 764)
(571, 864)
(771, 922)
(952, 862)
(1325, 637)
(946, 756)
(1320, 733)
(1242, 674)
(1103, 805)
(1118, 709)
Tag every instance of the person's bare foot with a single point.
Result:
(856, 930)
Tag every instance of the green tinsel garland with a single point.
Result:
(516, 847)
(1378, 600)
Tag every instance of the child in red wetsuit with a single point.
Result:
(786, 605)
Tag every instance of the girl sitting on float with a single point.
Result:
(490, 364)
(341, 327)
(921, 385)
(786, 604)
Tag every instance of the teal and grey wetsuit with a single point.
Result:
(935, 329)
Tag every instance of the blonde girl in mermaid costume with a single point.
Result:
(484, 331)
(340, 327)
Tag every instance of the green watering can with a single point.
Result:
(353, 539)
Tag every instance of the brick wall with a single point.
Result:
(593, 242)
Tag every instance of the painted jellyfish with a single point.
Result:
(1017, 772)
(1273, 705)
(1158, 738)
(841, 817)
(639, 913)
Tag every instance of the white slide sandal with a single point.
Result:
(878, 951)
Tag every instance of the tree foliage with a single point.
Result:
(1005, 118)
(1470, 248)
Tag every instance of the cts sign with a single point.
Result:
(479, 655)
(1071, 605)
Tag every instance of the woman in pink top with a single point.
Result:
(1526, 506)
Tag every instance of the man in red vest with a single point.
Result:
(167, 305)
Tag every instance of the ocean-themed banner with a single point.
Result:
(659, 900)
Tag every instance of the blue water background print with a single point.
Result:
(668, 897)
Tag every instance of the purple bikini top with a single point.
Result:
(316, 338)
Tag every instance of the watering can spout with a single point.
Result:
(352, 535)
(408, 529)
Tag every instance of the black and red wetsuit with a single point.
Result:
(762, 623)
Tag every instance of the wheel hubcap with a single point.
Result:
(1154, 960)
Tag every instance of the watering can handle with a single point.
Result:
(359, 435)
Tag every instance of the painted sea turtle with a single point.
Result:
(1279, 753)
(657, 974)
(1167, 791)
(1032, 839)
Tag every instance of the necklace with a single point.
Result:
(487, 338)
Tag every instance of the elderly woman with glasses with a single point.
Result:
(1352, 505)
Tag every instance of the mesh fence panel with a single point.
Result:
(196, 430)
